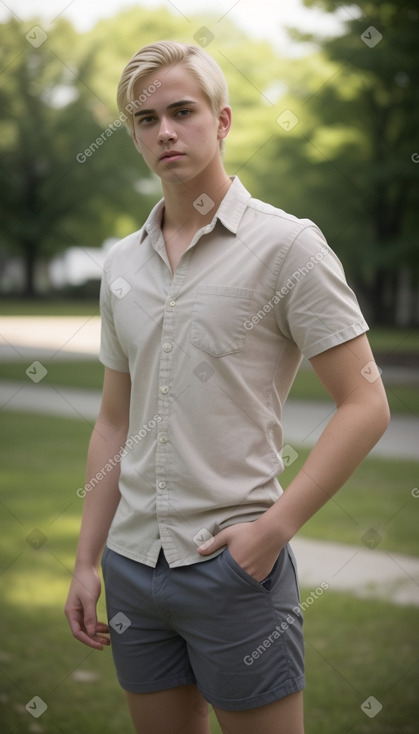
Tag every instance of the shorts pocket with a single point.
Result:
(218, 317)
(263, 585)
(294, 566)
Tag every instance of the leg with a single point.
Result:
(180, 710)
(280, 717)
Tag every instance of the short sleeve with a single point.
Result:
(315, 307)
(111, 353)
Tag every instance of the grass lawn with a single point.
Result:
(378, 495)
(355, 648)
(46, 307)
(86, 374)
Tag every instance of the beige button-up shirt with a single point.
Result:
(212, 351)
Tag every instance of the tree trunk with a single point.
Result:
(30, 251)
(384, 297)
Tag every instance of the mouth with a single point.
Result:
(171, 155)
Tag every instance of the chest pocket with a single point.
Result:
(218, 318)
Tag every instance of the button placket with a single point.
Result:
(166, 380)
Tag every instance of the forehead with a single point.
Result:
(176, 83)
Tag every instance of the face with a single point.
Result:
(177, 132)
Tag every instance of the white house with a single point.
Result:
(78, 265)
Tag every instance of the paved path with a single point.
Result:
(304, 421)
(364, 572)
(53, 336)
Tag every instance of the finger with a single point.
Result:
(102, 627)
(80, 634)
(96, 642)
(101, 639)
(89, 617)
(213, 544)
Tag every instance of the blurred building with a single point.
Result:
(78, 266)
(76, 269)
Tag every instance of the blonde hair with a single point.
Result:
(167, 53)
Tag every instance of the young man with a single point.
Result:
(205, 314)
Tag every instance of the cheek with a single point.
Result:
(135, 138)
(141, 146)
(206, 136)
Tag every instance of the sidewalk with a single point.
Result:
(50, 337)
(364, 572)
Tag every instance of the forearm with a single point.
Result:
(101, 492)
(346, 440)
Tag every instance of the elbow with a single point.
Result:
(381, 416)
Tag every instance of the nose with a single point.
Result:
(166, 131)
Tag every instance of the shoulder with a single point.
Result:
(124, 246)
(121, 256)
(276, 220)
(285, 235)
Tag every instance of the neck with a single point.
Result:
(188, 205)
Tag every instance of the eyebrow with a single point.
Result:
(182, 103)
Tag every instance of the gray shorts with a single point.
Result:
(210, 624)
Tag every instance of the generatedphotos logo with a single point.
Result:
(112, 462)
(291, 618)
(292, 281)
(113, 126)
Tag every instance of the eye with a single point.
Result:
(146, 120)
(183, 113)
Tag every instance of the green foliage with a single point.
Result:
(346, 164)
(372, 99)
(69, 172)
(349, 163)
(51, 200)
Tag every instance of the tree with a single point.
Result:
(50, 198)
(68, 170)
(367, 120)
(347, 156)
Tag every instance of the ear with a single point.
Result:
(224, 122)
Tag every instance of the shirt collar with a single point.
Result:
(233, 205)
(230, 211)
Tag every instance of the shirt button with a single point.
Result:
(163, 437)
(172, 303)
(164, 389)
(167, 347)
(162, 485)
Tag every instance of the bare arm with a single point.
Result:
(100, 503)
(361, 418)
